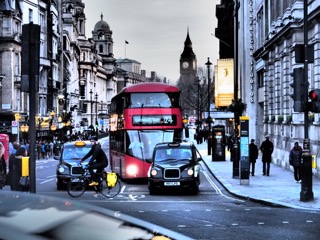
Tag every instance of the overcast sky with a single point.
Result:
(156, 30)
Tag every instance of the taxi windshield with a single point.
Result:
(165, 154)
(74, 152)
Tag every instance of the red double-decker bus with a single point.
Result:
(141, 116)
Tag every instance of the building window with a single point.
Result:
(260, 29)
(101, 48)
(16, 65)
(30, 15)
(42, 22)
(260, 78)
(17, 27)
(42, 51)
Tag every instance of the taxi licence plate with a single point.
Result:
(172, 183)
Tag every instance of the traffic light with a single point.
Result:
(299, 94)
(314, 95)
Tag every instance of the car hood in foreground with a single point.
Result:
(34, 216)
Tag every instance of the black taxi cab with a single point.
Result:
(71, 154)
(174, 166)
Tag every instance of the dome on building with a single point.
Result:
(102, 26)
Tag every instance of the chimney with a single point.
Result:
(153, 75)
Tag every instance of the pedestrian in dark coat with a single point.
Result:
(295, 157)
(98, 160)
(15, 168)
(267, 150)
(253, 155)
(3, 165)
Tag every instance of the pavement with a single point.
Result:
(279, 189)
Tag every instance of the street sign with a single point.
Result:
(14, 130)
(14, 123)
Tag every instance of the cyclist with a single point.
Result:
(97, 162)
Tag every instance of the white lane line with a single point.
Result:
(217, 188)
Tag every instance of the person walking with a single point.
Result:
(3, 167)
(295, 157)
(253, 155)
(267, 150)
(15, 168)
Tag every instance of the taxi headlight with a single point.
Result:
(190, 172)
(154, 172)
(61, 169)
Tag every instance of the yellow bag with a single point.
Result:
(111, 179)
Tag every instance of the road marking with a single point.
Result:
(218, 191)
(49, 180)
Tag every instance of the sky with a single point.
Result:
(156, 30)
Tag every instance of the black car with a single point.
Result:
(71, 154)
(174, 166)
(35, 216)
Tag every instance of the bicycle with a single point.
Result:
(81, 178)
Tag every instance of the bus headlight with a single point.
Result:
(132, 170)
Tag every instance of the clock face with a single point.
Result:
(185, 64)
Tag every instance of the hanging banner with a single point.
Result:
(224, 83)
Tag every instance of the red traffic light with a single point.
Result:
(314, 95)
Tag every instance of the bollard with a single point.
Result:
(209, 139)
(25, 166)
(306, 193)
(235, 162)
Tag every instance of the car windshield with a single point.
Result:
(180, 154)
(73, 152)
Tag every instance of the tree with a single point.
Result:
(190, 95)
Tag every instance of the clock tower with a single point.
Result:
(188, 62)
(188, 74)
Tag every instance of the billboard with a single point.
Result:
(224, 83)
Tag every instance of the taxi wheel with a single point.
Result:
(60, 185)
(195, 189)
(152, 191)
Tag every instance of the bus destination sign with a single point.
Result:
(154, 120)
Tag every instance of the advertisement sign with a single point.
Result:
(244, 150)
(224, 83)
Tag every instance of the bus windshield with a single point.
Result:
(141, 100)
(141, 143)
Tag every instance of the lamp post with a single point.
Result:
(91, 107)
(306, 193)
(198, 102)
(53, 128)
(24, 130)
(209, 120)
(102, 115)
(96, 98)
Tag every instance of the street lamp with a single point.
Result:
(198, 102)
(53, 128)
(102, 115)
(96, 98)
(24, 130)
(209, 120)
(91, 106)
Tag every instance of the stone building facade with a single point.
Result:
(268, 32)
(78, 76)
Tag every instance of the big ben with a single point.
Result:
(188, 62)
(188, 73)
